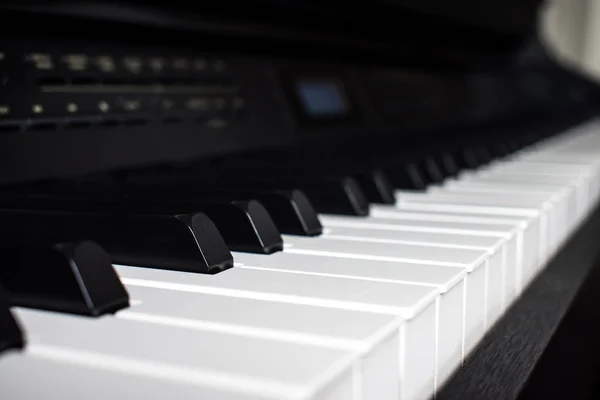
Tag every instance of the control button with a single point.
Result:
(76, 62)
(40, 61)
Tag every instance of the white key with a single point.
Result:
(494, 246)
(371, 250)
(586, 159)
(259, 367)
(468, 216)
(553, 162)
(450, 281)
(582, 189)
(566, 193)
(414, 303)
(583, 199)
(526, 205)
(376, 337)
(546, 168)
(590, 167)
(44, 372)
(503, 229)
(520, 207)
(589, 174)
(589, 171)
(475, 262)
(559, 225)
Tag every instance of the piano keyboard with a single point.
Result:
(380, 307)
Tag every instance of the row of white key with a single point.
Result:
(384, 307)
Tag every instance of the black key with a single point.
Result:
(329, 191)
(337, 196)
(244, 224)
(373, 182)
(468, 158)
(499, 149)
(514, 145)
(432, 170)
(76, 278)
(291, 210)
(181, 242)
(408, 176)
(329, 195)
(11, 335)
(448, 164)
(376, 186)
(483, 155)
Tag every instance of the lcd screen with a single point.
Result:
(322, 98)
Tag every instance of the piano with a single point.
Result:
(294, 200)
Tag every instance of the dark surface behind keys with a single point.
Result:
(503, 363)
(570, 366)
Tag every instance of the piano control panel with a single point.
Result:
(122, 105)
(76, 86)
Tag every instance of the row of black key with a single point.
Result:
(183, 223)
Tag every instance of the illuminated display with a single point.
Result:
(322, 98)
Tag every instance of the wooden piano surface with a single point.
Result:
(527, 355)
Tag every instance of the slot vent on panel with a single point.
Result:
(52, 81)
(84, 81)
(109, 123)
(135, 122)
(79, 124)
(10, 128)
(43, 126)
(172, 120)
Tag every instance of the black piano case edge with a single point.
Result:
(538, 350)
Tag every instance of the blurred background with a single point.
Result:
(571, 31)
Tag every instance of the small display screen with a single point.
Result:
(322, 98)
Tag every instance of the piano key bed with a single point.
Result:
(416, 300)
